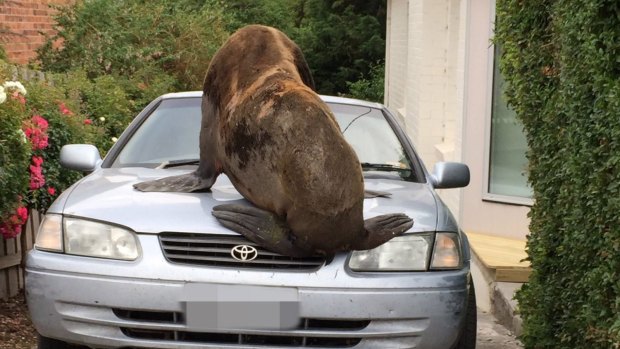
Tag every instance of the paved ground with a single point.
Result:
(491, 335)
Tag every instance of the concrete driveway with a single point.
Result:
(492, 335)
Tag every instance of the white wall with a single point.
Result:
(396, 55)
(424, 74)
(438, 80)
(478, 215)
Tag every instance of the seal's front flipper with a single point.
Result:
(260, 226)
(186, 183)
(381, 229)
(369, 194)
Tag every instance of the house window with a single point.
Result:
(507, 161)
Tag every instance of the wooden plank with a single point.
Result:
(27, 239)
(21, 278)
(499, 252)
(28, 234)
(4, 285)
(12, 247)
(503, 257)
(4, 278)
(10, 261)
(37, 217)
(512, 275)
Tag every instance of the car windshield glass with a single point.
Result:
(169, 137)
(372, 138)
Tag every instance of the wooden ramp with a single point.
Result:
(503, 257)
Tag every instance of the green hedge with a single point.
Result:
(135, 37)
(47, 114)
(175, 39)
(562, 64)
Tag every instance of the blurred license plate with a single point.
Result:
(213, 307)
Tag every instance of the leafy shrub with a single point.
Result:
(370, 87)
(281, 14)
(109, 102)
(128, 38)
(66, 125)
(341, 40)
(173, 41)
(36, 120)
(14, 159)
(561, 64)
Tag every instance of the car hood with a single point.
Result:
(108, 195)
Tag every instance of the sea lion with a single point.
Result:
(278, 142)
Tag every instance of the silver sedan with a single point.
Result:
(114, 267)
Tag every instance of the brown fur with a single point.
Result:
(278, 142)
(265, 127)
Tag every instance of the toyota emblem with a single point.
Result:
(244, 253)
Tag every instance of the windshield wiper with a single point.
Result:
(367, 166)
(176, 163)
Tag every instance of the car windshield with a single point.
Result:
(169, 137)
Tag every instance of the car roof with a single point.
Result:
(327, 99)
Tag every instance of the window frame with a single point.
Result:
(486, 175)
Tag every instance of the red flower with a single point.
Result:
(16, 95)
(22, 212)
(51, 191)
(38, 139)
(40, 122)
(63, 109)
(37, 180)
(37, 160)
(35, 130)
(13, 226)
(87, 121)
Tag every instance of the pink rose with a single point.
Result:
(22, 212)
(40, 122)
(63, 109)
(37, 160)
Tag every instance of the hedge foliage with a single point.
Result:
(36, 119)
(150, 39)
(174, 40)
(60, 109)
(562, 64)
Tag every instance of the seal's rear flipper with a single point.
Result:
(381, 229)
(186, 183)
(260, 226)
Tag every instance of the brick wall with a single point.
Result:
(21, 22)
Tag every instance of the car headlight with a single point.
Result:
(411, 252)
(446, 253)
(86, 238)
(49, 235)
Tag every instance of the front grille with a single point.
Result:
(311, 333)
(215, 250)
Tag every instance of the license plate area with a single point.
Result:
(224, 307)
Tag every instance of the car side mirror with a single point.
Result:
(80, 157)
(450, 175)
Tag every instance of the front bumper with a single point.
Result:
(113, 304)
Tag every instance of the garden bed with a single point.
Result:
(16, 330)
